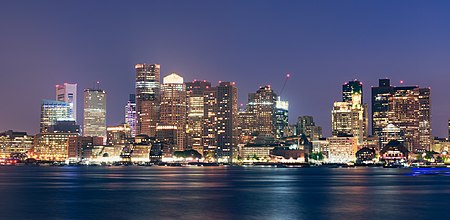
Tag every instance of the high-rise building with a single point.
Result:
(51, 112)
(281, 118)
(351, 88)
(131, 117)
(263, 105)
(380, 105)
(246, 124)
(68, 93)
(406, 107)
(209, 136)
(349, 117)
(94, 118)
(341, 119)
(227, 110)
(425, 137)
(173, 110)
(148, 87)
(404, 111)
(195, 113)
(306, 125)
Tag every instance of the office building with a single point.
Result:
(349, 117)
(351, 88)
(406, 107)
(80, 148)
(148, 87)
(195, 113)
(67, 92)
(281, 118)
(306, 125)
(131, 117)
(263, 104)
(118, 135)
(94, 118)
(52, 146)
(173, 109)
(51, 112)
(15, 144)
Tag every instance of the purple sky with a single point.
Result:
(322, 43)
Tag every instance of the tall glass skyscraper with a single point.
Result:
(147, 97)
(51, 112)
(281, 118)
(94, 118)
(68, 93)
(131, 117)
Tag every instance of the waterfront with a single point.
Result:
(220, 193)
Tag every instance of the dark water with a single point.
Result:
(220, 193)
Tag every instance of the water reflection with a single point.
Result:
(219, 193)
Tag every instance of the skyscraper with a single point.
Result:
(263, 104)
(173, 111)
(51, 112)
(227, 111)
(349, 117)
(147, 97)
(209, 136)
(425, 137)
(341, 119)
(94, 118)
(306, 125)
(195, 113)
(131, 117)
(380, 105)
(350, 88)
(68, 93)
(406, 107)
(281, 118)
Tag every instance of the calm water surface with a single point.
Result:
(220, 193)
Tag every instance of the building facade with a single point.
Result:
(52, 146)
(227, 111)
(13, 142)
(195, 114)
(281, 118)
(131, 117)
(173, 108)
(306, 125)
(51, 112)
(263, 104)
(67, 92)
(94, 117)
(148, 87)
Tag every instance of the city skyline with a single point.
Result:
(317, 62)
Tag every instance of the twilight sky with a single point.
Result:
(252, 42)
